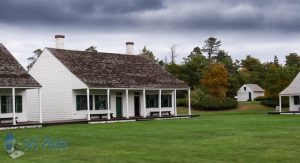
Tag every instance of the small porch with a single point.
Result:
(125, 103)
(294, 103)
(13, 108)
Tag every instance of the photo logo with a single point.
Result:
(12, 147)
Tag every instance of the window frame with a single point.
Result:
(296, 100)
(154, 98)
(85, 98)
(104, 99)
(169, 101)
(8, 104)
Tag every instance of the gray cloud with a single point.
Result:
(161, 15)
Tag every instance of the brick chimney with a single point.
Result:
(60, 41)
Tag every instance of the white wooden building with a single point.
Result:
(248, 92)
(293, 92)
(14, 81)
(80, 85)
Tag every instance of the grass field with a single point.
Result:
(244, 135)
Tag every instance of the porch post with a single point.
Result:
(40, 98)
(144, 103)
(88, 104)
(175, 103)
(108, 104)
(159, 102)
(14, 105)
(127, 109)
(190, 112)
(280, 109)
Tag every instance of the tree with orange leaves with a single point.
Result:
(215, 80)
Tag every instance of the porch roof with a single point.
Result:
(109, 70)
(293, 88)
(12, 74)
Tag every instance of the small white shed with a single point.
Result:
(248, 92)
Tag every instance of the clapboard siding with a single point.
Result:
(57, 88)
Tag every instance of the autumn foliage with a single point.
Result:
(215, 80)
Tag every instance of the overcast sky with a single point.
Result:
(261, 28)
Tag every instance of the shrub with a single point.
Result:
(182, 102)
(261, 98)
(273, 101)
(212, 103)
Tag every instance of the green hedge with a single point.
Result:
(212, 103)
(261, 98)
(273, 101)
(182, 102)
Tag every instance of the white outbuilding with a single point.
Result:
(248, 92)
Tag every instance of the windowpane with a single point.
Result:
(100, 102)
(166, 101)
(81, 102)
(19, 104)
(6, 104)
(296, 100)
(151, 101)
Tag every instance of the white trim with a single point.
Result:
(154, 89)
(108, 104)
(20, 87)
(280, 109)
(14, 105)
(40, 103)
(88, 104)
(159, 102)
(127, 104)
(144, 103)
(175, 103)
(190, 111)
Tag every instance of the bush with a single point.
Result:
(182, 102)
(212, 103)
(261, 98)
(273, 101)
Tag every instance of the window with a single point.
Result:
(6, 104)
(151, 101)
(81, 102)
(166, 101)
(100, 102)
(245, 88)
(296, 100)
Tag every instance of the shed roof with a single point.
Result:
(293, 88)
(255, 88)
(110, 70)
(12, 74)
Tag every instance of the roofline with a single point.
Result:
(139, 88)
(93, 52)
(20, 87)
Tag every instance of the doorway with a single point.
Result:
(118, 106)
(250, 97)
(136, 105)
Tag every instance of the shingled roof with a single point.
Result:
(293, 88)
(255, 88)
(109, 70)
(12, 74)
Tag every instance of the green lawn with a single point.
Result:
(244, 135)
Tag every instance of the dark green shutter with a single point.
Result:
(3, 104)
